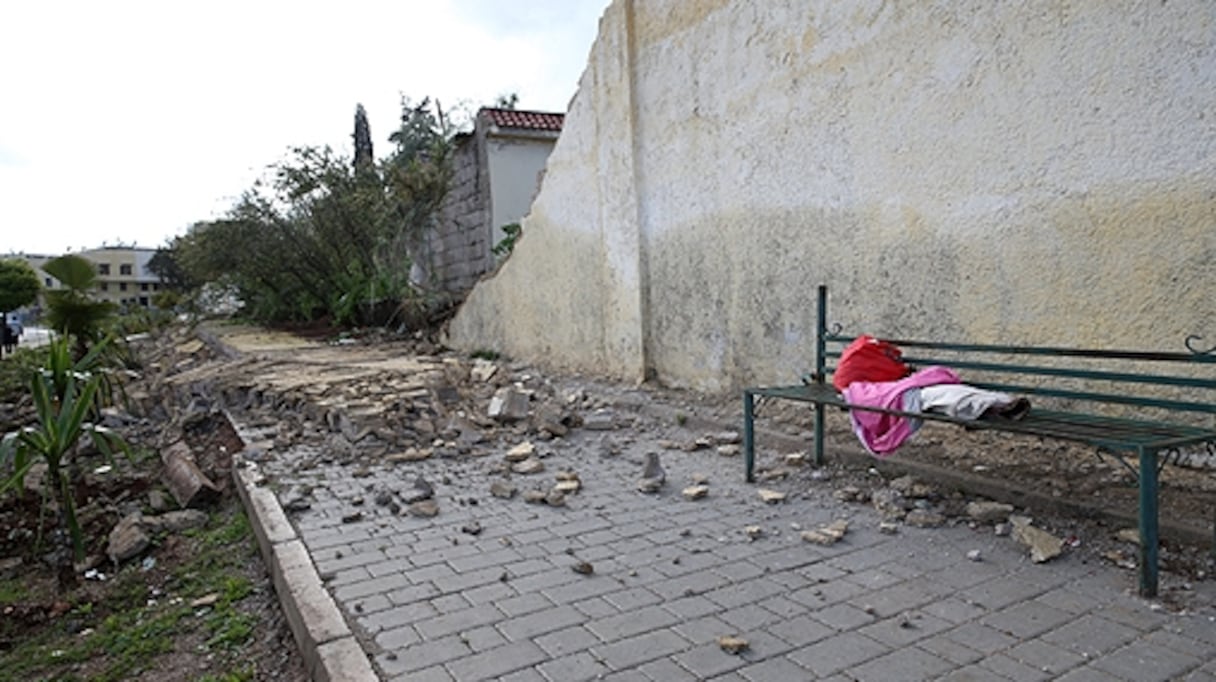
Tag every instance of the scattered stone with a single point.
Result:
(974, 555)
(158, 500)
(729, 450)
(695, 492)
(555, 498)
(528, 466)
(568, 487)
(521, 452)
(771, 496)
(421, 490)
(409, 455)
(535, 496)
(354, 517)
(727, 437)
(924, 518)
(700, 479)
(205, 601)
(502, 490)
(176, 521)
(1043, 545)
(383, 498)
(827, 535)
(483, 370)
(583, 568)
(357, 502)
(912, 488)
(600, 420)
(653, 475)
(888, 527)
(424, 508)
(670, 444)
(989, 512)
(1120, 558)
(851, 493)
(753, 532)
(1003, 529)
(732, 645)
(471, 528)
(1131, 535)
(889, 502)
(508, 405)
(821, 475)
(795, 459)
(128, 539)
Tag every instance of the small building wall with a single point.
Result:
(990, 172)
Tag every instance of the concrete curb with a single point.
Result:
(330, 650)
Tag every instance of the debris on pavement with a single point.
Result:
(827, 535)
(732, 645)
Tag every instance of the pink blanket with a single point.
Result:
(882, 433)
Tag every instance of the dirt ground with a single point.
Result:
(196, 605)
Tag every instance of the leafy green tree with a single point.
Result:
(328, 236)
(164, 264)
(72, 310)
(363, 139)
(19, 286)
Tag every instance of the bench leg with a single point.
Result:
(1148, 523)
(819, 412)
(749, 437)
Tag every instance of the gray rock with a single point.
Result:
(502, 489)
(653, 475)
(989, 512)
(128, 539)
(508, 405)
(421, 490)
(924, 518)
(600, 420)
(1043, 545)
(424, 508)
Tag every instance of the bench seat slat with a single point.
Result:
(1115, 433)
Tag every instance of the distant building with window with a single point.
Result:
(123, 277)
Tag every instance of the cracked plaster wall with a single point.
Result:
(1037, 172)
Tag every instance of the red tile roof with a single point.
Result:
(531, 120)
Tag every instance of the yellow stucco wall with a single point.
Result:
(1036, 172)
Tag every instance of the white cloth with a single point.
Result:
(961, 401)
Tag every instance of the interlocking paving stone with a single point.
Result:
(837, 653)
(670, 576)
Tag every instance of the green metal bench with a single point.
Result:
(1074, 393)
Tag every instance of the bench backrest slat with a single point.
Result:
(1186, 382)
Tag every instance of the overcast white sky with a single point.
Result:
(128, 121)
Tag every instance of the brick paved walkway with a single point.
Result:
(670, 576)
(429, 601)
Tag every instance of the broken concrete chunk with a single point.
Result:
(535, 496)
(555, 498)
(653, 475)
(924, 518)
(695, 492)
(730, 450)
(568, 487)
(530, 465)
(753, 532)
(726, 437)
(1131, 535)
(827, 535)
(771, 496)
(989, 512)
(409, 455)
(128, 539)
(732, 645)
(888, 527)
(421, 490)
(508, 405)
(483, 370)
(851, 493)
(502, 490)
(521, 452)
(795, 459)
(1043, 545)
(600, 420)
(424, 508)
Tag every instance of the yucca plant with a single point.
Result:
(64, 397)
